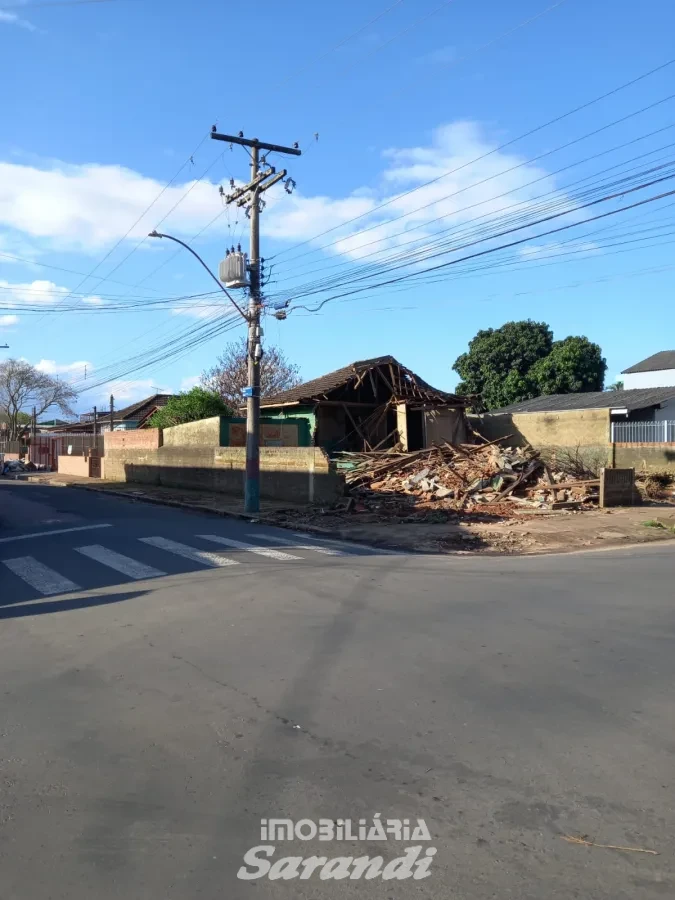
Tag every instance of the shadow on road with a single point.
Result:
(21, 610)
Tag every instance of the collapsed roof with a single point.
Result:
(403, 385)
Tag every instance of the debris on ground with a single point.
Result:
(583, 840)
(464, 478)
(655, 485)
(18, 466)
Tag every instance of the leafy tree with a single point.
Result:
(23, 387)
(520, 360)
(229, 376)
(617, 386)
(190, 406)
(499, 360)
(573, 365)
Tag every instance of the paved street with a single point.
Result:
(170, 679)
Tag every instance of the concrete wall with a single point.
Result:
(204, 433)
(445, 425)
(644, 457)
(73, 465)
(296, 474)
(570, 428)
(664, 378)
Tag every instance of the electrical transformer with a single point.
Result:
(233, 271)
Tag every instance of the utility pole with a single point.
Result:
(112, 413)
(250, 196)
(95, 422)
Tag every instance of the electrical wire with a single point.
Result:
(519, 241)
(483, 156)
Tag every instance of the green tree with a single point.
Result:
(573, 365)
(190, 407)
(499, 360)
(617, 386)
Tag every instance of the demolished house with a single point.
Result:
(373, 404)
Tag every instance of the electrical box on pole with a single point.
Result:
(233, 270)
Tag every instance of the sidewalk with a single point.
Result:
(546, 532)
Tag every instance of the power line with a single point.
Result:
(518, 242)
(483, 232)
(483, 156)
(556, 192)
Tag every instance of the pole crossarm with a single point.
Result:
(254, 142)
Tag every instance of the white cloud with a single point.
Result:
(89, 207)
(470, 180)
(10, 18)
(128, 392)
(39, 292)
(51, 367)
(189, 382)
(6, 321)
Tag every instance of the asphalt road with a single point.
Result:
(148, 724)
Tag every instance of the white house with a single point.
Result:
(655, 371)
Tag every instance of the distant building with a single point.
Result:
(137, 415)
(655, 371)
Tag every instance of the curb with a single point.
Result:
(228, 514)
(383, 545)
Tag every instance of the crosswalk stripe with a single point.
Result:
(39, 576)
(192, 553)
(250, 548)
(124, 564)
(284, 542)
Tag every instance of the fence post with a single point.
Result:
(611, 432)
(665, 431)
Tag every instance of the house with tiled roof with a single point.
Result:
(136, 415)
(657, 370)
(372, 404)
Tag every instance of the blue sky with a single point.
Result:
(107, 101)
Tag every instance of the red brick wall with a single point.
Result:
(141, 438)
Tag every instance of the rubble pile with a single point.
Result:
(17, 466)
(463, 478)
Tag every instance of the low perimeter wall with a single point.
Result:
(644, 457)
(73, 465)
(295, 474)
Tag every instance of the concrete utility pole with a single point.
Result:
(250, 196)
(112, 414)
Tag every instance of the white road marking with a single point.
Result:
(284, 542)
(200, 556)
(39, 576)
(124, 564)
(347, 545)
(36, 534)
(251, 548)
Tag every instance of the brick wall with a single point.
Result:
(146, 438)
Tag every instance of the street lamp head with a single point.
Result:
(155, 233)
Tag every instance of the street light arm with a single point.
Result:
(158, 234)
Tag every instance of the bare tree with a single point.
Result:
(23, 387)
(229, 376)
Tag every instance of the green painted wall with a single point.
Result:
(305, 426)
